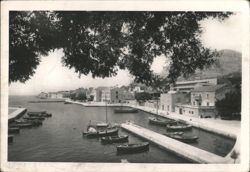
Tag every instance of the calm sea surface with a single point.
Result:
(59, 139)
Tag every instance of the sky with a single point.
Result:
(51, 75)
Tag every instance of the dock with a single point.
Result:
(183, 150)
(17, 113)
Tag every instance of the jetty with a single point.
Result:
(186, 151)
(16, 112)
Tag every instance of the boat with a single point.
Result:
(162, 122)
(23, 125)
(33, 122)
(114, 139)
(175, 133)
(67, 102)
(13, 130)
(39, 114)
(34, 118)
(183, 138)
(95, 133)
(178, 127)
(125, 110)
(132, 148)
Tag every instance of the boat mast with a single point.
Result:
(106, 109)
(157, 105)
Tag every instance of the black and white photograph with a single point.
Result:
(103, 86)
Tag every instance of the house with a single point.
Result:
(55, 95)
(168, 100)
(116, 95)
(186, 86)
(43, 95)
(203, 99)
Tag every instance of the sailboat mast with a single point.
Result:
(106, 109)
(157, 105)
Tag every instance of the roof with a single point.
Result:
(211, 88)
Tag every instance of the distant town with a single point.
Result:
(193, 98)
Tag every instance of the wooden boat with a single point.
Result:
(125, 110)
(13, 130)
(114, 139)
(175, 133)
(162, 122)
(178, 127)
(183, 138)
(107, 132)
(21, 125)
(34, 118)
(39, 114)
(67, 103)
(132, 148)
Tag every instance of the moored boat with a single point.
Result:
(39, 114)
(132, 148)
(125, 110)
(182, 138)
(34, 118)
(102, 133)
(162, 122)
(178, 127)
(114, 139)
(21, 125)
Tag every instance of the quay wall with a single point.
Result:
(16, 114)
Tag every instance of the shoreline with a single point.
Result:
(224, 128)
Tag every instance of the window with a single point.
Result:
(199, 103)
(162, 107)
(207, 95)
(178, 99)
(207, 103)
(168, 107)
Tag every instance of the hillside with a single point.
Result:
(228, 62)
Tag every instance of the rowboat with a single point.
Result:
(23, 125)
(125, 110)
(132, 148)
(33, 122)
(178, 127)
(182, 138)
(158, 121)
(39, 114)
(34, 117)
(114, 139)
(106, 132)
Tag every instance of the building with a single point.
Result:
(203, 99)
(55, 95)
(186, 86)
(97, 93)
(106, 94)
(116, 95)
(170, 99)
(43, 95)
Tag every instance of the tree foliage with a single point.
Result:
(143, 96)
(102, 42)
(230, 105)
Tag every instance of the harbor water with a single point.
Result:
(60, 138)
